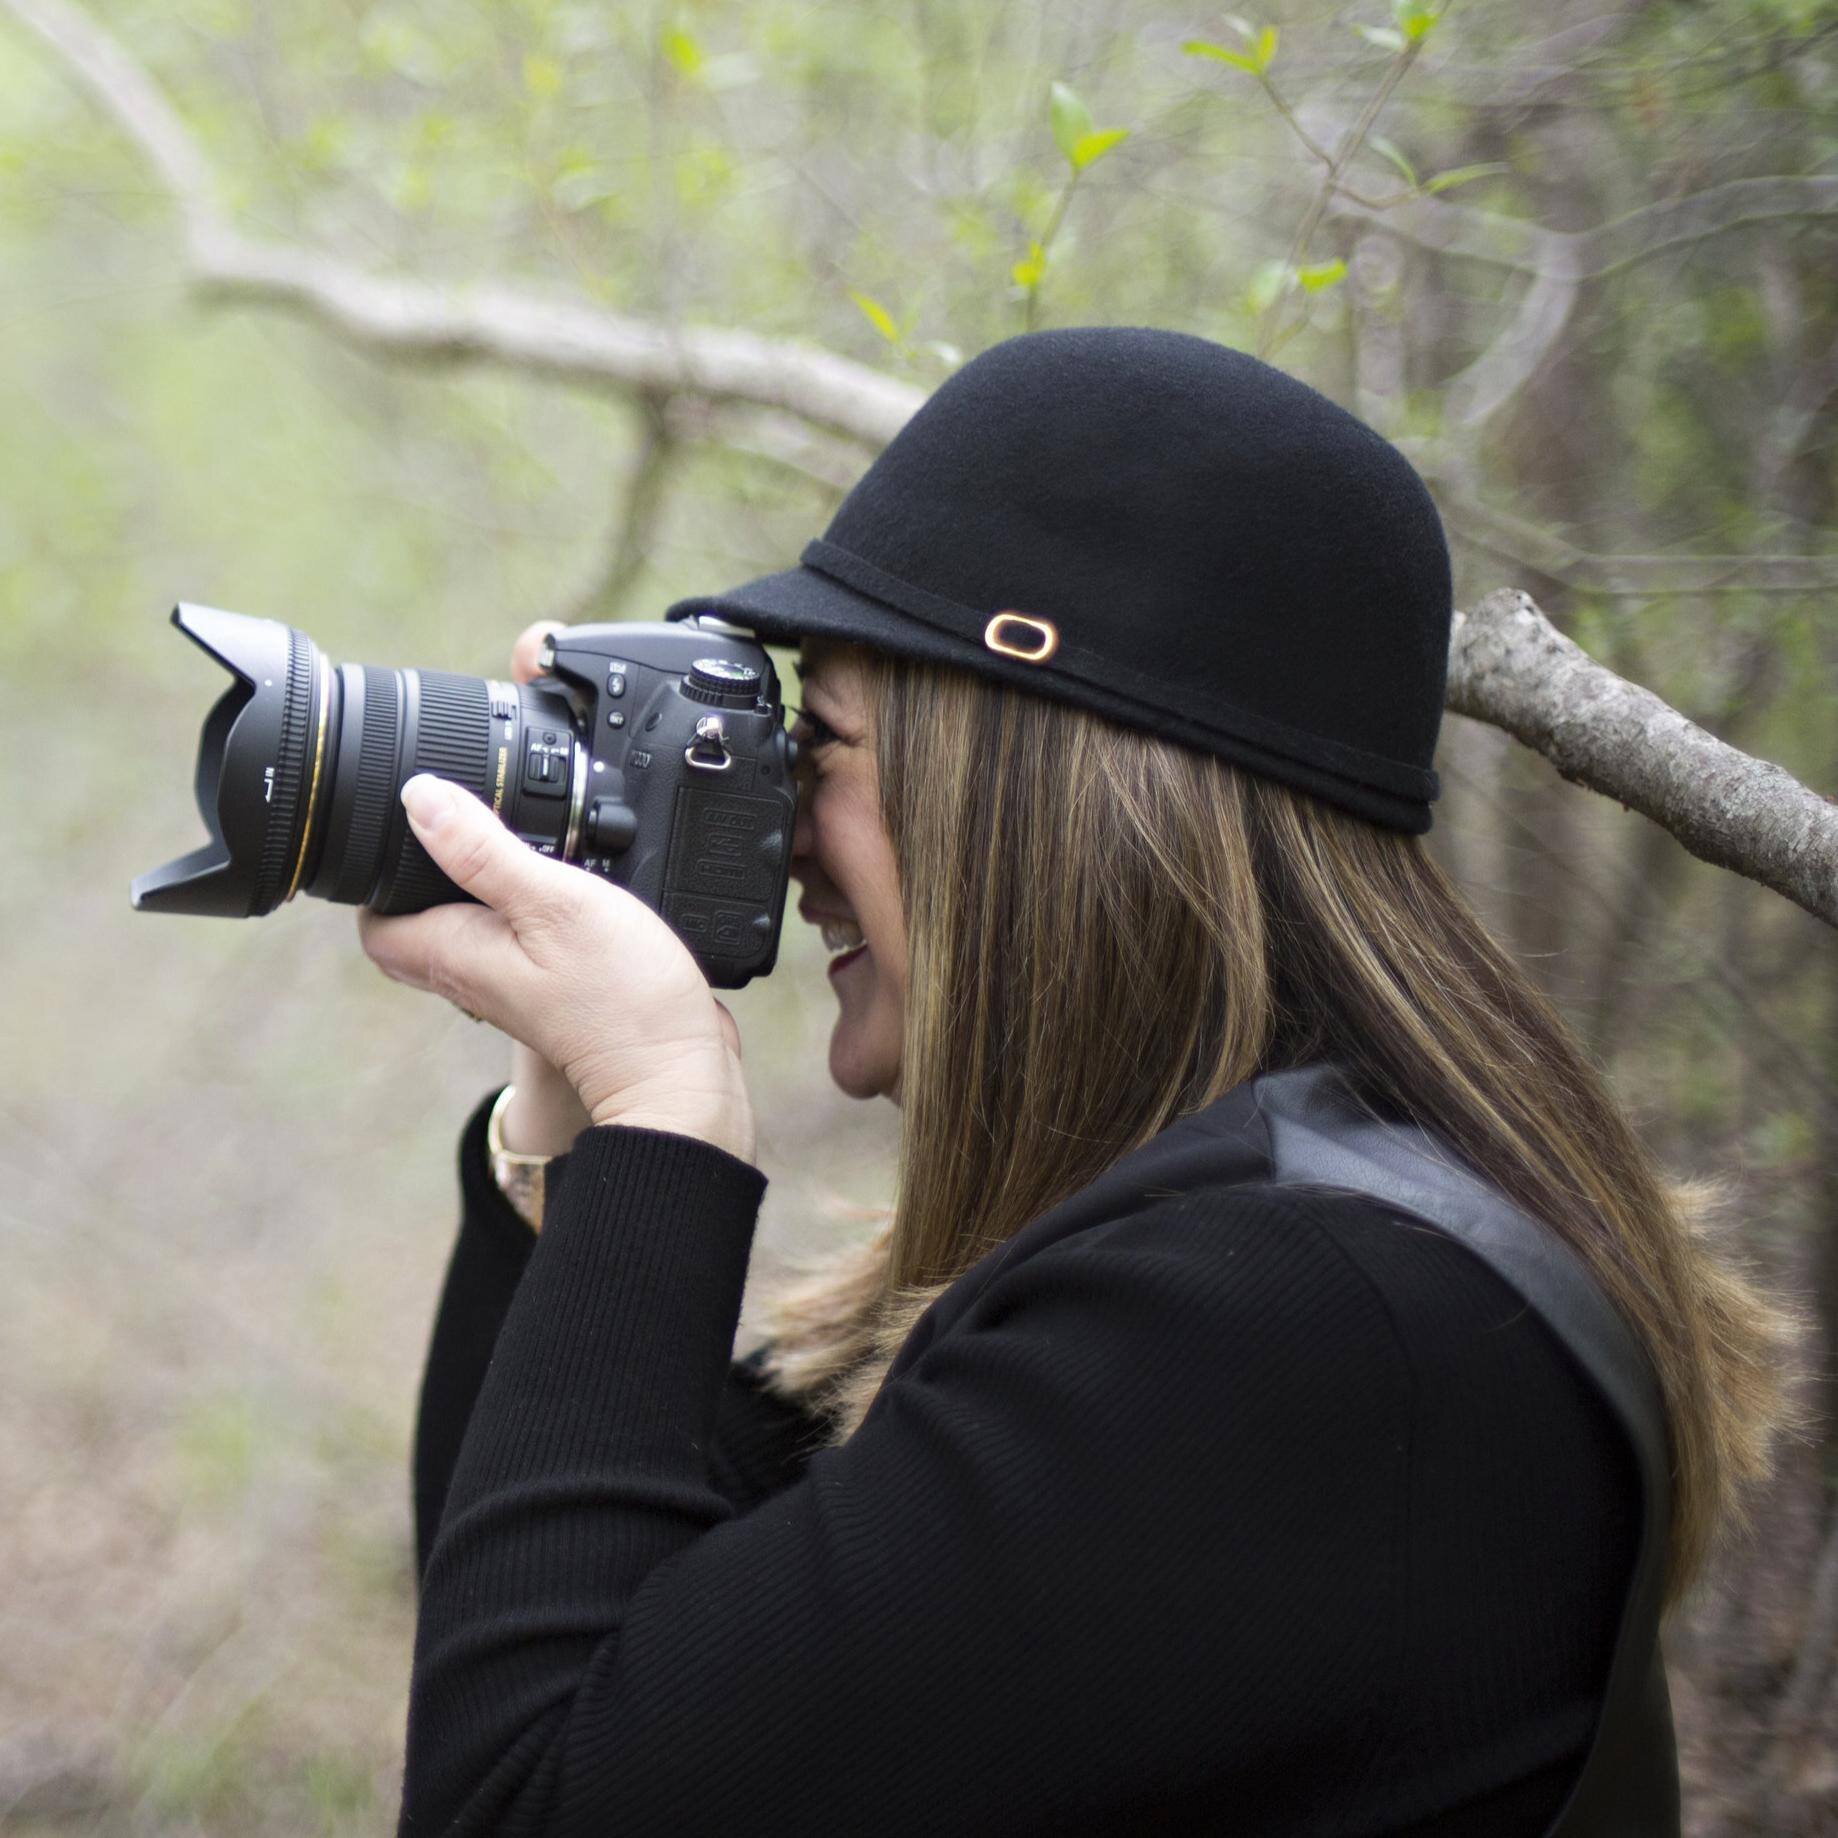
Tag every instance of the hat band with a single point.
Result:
(1084, 667)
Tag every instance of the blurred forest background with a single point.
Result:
(1592, 287)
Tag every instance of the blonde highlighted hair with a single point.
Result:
(1107, 931)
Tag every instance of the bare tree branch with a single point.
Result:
(1350, 144)
(635, 519)
(1381, 350)
(1509, 665)
(420, 319)
(1560, 261)
(1587, 255)
(1515, 355)
(1525, 544)
(560, 338)
(1794, 418)
(1654, 866)
(1655, 228)
(785, 440)
(130, 95)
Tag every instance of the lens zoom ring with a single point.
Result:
(453, 738)
(372, 803)
(278, 840)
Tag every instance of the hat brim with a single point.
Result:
(799, 603)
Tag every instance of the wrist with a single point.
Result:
(541, 1116)
(700, 1092)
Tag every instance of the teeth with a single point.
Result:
(841, 935)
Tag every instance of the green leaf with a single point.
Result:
(685, 55)
(1320, 275)
(1028, 271)
(1415, 19)
(1198, 47)
(1393, 152)
(542, 76)
(1382, 36)
(1071, 120)
(877, 316)
(1088, 149)
(1268, 284)
(1266, 48)
(1460, 175)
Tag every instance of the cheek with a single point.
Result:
(877, 900)
(854, 848)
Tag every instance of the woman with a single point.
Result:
(1285, 1385)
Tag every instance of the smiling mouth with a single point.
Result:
(841, 936)
(843, 939)
(844, 958)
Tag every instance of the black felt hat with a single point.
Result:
(1162, 529)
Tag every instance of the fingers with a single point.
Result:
(479, 855)
(467, 955)
(580, 971)
(529, 644)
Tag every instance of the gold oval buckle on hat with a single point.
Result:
(1043, 634)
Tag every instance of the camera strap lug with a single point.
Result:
(709, 750)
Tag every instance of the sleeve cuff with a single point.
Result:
(613, 1169)
(616, 1155)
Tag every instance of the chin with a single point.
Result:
(862, 1075)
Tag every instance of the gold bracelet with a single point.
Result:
(520, 1178)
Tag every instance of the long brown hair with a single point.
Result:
(1106, 932)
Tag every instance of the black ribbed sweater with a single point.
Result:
(1253, 1511)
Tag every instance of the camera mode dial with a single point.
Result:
(722, 683)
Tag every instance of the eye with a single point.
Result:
(812, 732)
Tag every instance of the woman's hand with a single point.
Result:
(583, 973)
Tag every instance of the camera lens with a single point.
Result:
(301, 764)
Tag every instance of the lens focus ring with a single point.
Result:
(374, 800)
(278, 841)
(452, 738)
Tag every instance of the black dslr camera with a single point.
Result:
(655, 755)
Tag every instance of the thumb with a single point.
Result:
(473, 849)
(528, 647)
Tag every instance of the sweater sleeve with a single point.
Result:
(1130, 1535)
(762, 1440)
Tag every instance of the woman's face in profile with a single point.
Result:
(843, 861)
